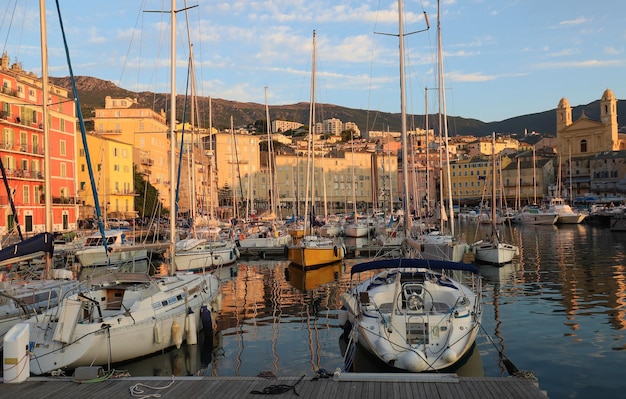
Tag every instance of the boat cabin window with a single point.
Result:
(93, 242)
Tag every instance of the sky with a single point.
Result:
(501, 58)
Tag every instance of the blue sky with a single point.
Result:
(502, 58)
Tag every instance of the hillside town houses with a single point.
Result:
(223, 170)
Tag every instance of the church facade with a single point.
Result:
(592, 154)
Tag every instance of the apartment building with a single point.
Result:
(124, 120)
(22, 153)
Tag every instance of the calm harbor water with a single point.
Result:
(558, 311)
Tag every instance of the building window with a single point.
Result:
(63, 170)
(583, 145)
(26, 192)
(62, 148)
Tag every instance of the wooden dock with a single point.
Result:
(344, 386)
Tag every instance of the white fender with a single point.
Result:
(177, 334)
(450, 355)
(384, 349)
(157, 333)
(190, 329)
(350, 303)
(412, 361)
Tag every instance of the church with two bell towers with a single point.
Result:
(592, 153)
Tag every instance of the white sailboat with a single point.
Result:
(269, 232)
(492, 249)
(200, 252)
(24, 294)
(442, 244)
(122, 316)
(410, 313)
(312, 250)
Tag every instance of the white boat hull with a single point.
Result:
(76, 336)
(494, 253)
(416, 326)
(205, 255)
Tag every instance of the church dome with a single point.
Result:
(608, 95)
(564, 103)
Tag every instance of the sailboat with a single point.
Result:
(122, 316)
(357, 225)
(492, 249)
(313, 250)
(442, 244)
(27, 291)
(208, 250)
(269, 232)
(412, 313)
(533, 214)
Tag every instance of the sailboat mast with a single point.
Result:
(173, 140)
(442, 105)
(405, 155)
(310, 166)
(270, 160)
(493, 181)
(49, 223)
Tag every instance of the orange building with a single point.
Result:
(22, 152)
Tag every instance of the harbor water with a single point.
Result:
(558, 312)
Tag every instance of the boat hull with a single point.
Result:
(420, 325)
(76, 336)
(308, 257)
(494, 253)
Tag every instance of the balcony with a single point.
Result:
(63, 200)
(147, 161)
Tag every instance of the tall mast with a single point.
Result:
(443, 114)
(49, 223)
(173, 140)
(405, 154)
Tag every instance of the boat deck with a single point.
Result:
(346, 386)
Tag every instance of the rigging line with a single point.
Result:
(12, 14)
(83, 136)
(130, 45)
(182, 142)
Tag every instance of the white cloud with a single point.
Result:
(577, 21)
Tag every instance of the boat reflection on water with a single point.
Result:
(310, 279)
(188, 360)
(498, 280)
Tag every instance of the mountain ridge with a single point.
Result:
(92, 92)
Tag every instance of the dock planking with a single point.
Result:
(305, 388)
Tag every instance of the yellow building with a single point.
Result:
(123, 120)
(112, 164)
(237, 163)
(471, 178)
(342, 179)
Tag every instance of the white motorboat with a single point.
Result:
(122, 316)
(413, 315)
(534, 215)
(197, 254)
(121, 250)
(566, 215)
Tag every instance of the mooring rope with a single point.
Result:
(278, 388)
(137, 392)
